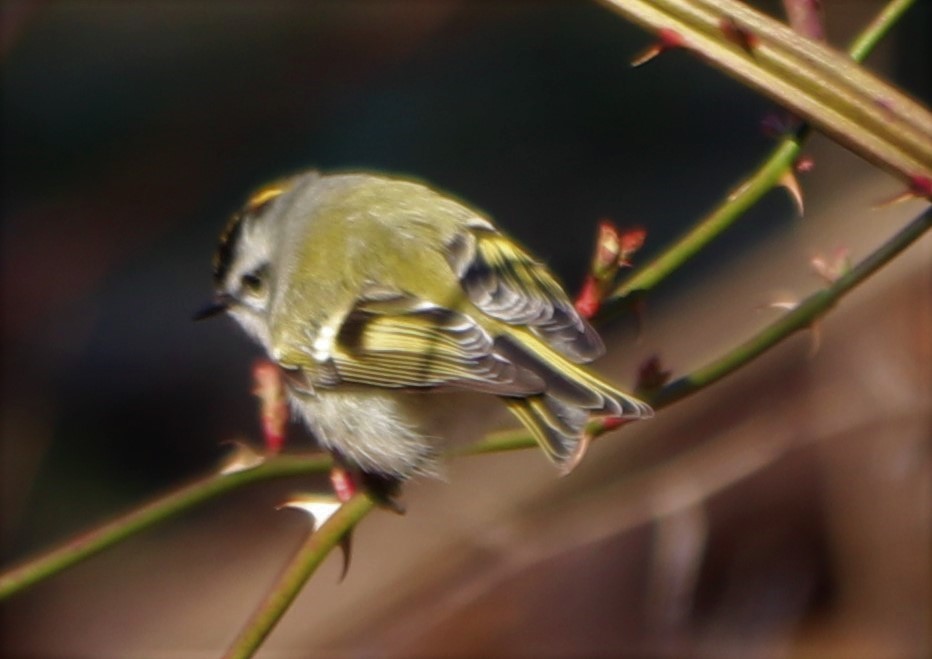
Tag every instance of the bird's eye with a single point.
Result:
(252, 282)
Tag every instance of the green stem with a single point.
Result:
(165, 507)
(878, 28)
(319, 544)
(744, 196)
(312, 553)
(309, 556)
(749, 191)
(801, 317)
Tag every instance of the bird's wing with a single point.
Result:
(506, 283)
(402, 342)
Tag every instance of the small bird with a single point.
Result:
(376, 295)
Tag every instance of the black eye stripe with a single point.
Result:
(232, 233)
(223, 257)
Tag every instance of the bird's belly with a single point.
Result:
(395, 433)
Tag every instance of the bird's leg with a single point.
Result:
(344, 488)
(346, 482)
(343, 485)
(385, 490)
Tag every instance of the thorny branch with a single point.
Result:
(763, 61)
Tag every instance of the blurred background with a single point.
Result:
(783, 512)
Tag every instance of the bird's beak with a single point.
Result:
(216, 306)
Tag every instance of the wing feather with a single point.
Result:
(506, 283)
(406, 343)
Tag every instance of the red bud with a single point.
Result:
(652, 375)
(739, 35)
(631, 241)
(920, 186)
(270, 390)
(608, 248)
(589, 300)
(610, 423)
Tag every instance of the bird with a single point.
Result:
(384, 300)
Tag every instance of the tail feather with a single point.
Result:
(615, 402)
(556, 445)
(558, 417)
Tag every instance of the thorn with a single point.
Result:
(815, 334)
(346, 548)
(815, 331)
(241, 458)
(789, 181)
(647, 55)
(739, 35)
(668, 39)
(892, 201)
(270, 389)
(784, 305)
(320, 508)
(830, 270)
(920, 187)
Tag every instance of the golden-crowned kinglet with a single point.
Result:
(371, 291)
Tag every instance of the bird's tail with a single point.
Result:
(558, 417)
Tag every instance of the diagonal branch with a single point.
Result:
(819, 84)
(749, 191)
(700, 20)
(161, 509)
(312, 553)
(801, 317)
(316, 549)
(309, 556)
